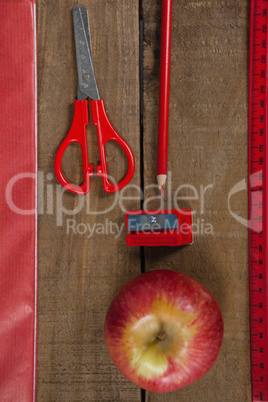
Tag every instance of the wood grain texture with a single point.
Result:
(79, 274)
(208, 153)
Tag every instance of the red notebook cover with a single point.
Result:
(18, 201)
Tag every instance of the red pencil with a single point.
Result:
(164, 94)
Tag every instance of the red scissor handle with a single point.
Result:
(106, 133)
(77, 133)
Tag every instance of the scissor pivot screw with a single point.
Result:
(86, 77)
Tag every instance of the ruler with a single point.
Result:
(258, 206)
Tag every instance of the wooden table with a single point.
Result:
(83, 260)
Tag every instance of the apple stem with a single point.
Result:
(162, 335)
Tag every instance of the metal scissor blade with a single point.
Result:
(84, 15)
(87, 85)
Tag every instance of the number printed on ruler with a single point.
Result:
(258, 183)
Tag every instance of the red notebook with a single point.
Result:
(18, 201)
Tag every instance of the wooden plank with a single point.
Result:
(80, 271)
(207, 152)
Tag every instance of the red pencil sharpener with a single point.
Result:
(159, 228)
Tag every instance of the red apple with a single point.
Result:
(163, 330)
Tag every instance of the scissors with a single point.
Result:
(87, 88)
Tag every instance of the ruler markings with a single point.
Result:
(258, 182)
